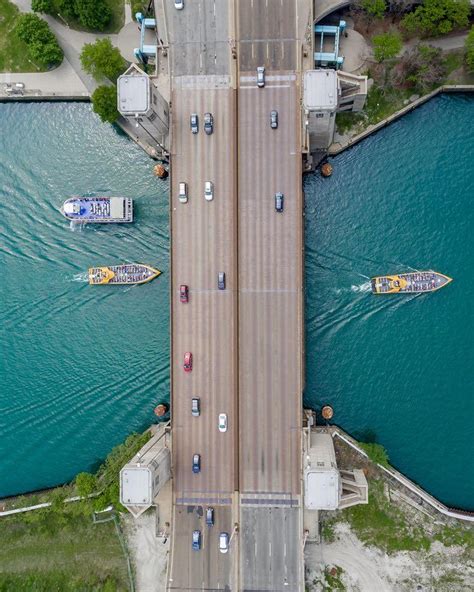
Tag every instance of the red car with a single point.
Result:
(188, 362)
(183, 293)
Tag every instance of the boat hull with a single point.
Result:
(417, 282)
(120, 275)
(98, 210)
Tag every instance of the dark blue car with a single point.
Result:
(196, 463)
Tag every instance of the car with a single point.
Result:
(188, 362)
(208, 123)
(273, 119)
(196, 463)
(223, 542)
(279, 202)
(196, 540)
(196, 407)
(221, 280)
(179, 4)
(222, 422)
(261, 76)
(194, 123)
(210, 516)
(208, 191)
(183, 192)
(183, 293)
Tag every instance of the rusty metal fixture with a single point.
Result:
(326, 170)
(161, 409)
(160, 171)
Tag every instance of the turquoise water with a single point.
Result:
(80, 366)
(398, 370)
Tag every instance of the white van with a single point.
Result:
(183, 193)
(208, 191)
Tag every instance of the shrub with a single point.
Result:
(42, 44)
(93, 14)
(375, 8)
(376, 453)
(386, 46)
(421, 68)
(86, 484)
(104, 103)
(470, 50)
(102, 60)
(67, 8)
(437, 17)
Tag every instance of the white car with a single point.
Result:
(208, 190)
(223, 422)
(179, 4)
(183, 193)
(261, 76)
(223, 542)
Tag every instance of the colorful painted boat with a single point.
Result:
(409, 283)
(100, 209)
(128, 273)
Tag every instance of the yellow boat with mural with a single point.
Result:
(409, 283)
(119, 275)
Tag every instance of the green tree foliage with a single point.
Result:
(470, 50)
(66, 8)
(42, 44)
(375, 8)
(376, 453)
(386, 46)
(102, 60)
(42, 6)
(421, 68)
(437, 17)
(86, 484)
(104, 103)
(93, 14)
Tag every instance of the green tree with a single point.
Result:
(386, 46)
(470, 50)
(104, 103)
(42, 44)
(93, 14)
(67, 8)
(42, 6)
(375, 8)
(86, 484)
(437, 17)
(102, 60)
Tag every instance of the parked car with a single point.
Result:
(196, 540)
(196, 463)
(261, 76)
(210, 516)
(196, 407)
(194, 123)
(188, 362)
(223, 542)
(279, 202)
(273, 119)
(179, 4)
(223, 422)
(221, 280)
(208, 190)
(183, 193)
(183, 293)
(208, 123)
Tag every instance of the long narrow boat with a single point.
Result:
(100, 209)
(409, 283)
(128, 273)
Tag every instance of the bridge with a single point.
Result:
(247, 339)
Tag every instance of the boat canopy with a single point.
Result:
(71, 208)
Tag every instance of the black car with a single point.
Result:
(273, 119)
(194, 123)
(279, 202)
(208, 123)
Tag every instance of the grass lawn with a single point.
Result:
(50, 550)
(13, 52)
(117, 22)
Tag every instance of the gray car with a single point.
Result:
(194, 123)
(208, 123)
(273, 119)
(279, 202)
(221, 280)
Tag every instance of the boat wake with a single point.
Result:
(80, 277)
(365, 287)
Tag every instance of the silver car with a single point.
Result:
(194, 123)
(223, 542)
(274, 119)
(279, 202)
(261, 76)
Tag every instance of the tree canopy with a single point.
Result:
(470, 50)
(104, 103)
(437, 17)
(91, 14)
(102, 60)
(386, 46)
(42, 44)
(375, 8)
